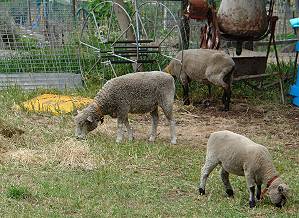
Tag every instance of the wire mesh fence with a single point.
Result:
(36, 36)
(40, 36)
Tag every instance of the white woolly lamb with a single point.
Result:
(241, 156)
(140, 92)
(203, 65)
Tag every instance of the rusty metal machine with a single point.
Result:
(246, 20)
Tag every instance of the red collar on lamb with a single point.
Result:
(267, 187)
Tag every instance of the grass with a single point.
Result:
(18, 192)
(46, 172)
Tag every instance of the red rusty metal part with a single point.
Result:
(210, 34)
(243, 18)
(198, 9)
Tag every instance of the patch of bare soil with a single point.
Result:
(270, 124)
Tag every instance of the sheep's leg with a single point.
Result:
(207, 102)
(251, 197)
(258, 191)
(120, 130)
(186, 99)
(185, 82)
(225, 179)
(226, 98)
(167, 109)
(251, 186)
(210, 164)
(155, 119)
(210, 90)
(227, 90)
(129, 129)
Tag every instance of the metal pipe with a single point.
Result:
(74, 8)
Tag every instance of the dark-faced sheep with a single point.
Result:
(203, 65)
(240, 156)
(140, 92)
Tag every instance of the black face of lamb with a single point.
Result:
(282, 202)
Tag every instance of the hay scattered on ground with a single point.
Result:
(73, 154)
(25, 156)
(67, 154)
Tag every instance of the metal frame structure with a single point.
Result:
(122, 49)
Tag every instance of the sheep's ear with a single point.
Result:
(280, 188)
(90, 119)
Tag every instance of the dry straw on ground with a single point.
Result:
(67, 154)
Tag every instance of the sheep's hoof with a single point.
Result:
(251, 204)
(118, 140)
(224, 109)
(278, 205)
(152, 139)
(206, 103)
(173, 141)
(201, 191)
(230, 193)
(187, 101)
(131, 138)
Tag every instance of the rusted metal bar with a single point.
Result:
(278, 42)
(255, 76)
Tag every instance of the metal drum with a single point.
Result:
(243, 19)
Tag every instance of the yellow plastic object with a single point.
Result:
(55, 104)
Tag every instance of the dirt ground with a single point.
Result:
(270, 125)
(279, 123)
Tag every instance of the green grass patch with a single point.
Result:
(18, 192)
(39, 177)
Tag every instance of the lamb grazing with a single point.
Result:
(241, 156)
(140, 92)
(203, 65)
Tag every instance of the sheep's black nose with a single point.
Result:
(80, 138)
(278, 205)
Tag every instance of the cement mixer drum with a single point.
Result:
(243, 19)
